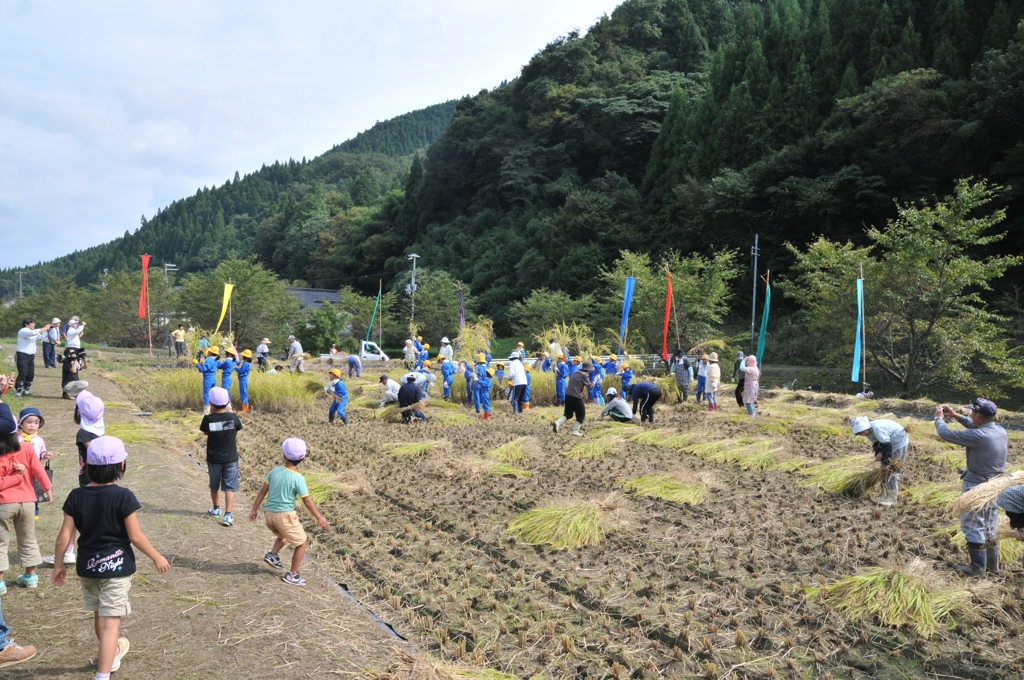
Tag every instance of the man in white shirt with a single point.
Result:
(295, 353)
(517, 376)
(391, 388)
(25, 356)
(74, 334)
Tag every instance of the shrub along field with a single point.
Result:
(713, 545)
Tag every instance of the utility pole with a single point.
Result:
(411, 288)
(20, 293)
(169, 268)
(755, 251)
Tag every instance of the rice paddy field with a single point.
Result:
(711, 545)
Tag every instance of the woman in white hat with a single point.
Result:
(712, 381)
(889, 441)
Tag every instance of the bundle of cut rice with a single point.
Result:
(983, 494)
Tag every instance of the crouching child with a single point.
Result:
(283, 486)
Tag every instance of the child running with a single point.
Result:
(283, 486)
(221, 427)
(19, 467)
(106, 517)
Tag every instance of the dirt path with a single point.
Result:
(220, 612)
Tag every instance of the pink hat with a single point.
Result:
(90, 408)
(220, 396)
(294, 449)
(105, 451)
(751, 360)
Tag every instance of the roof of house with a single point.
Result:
(314, 297)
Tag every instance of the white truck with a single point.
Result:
(371, 351)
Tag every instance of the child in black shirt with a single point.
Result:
(220, 427)
(106, 517)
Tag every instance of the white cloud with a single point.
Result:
(111, 110)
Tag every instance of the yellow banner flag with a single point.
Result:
(224, 309)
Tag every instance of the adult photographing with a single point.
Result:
(50, 344)
(74, 361)
(25, 356)
(76, 328)
(517, 376)
(985, 445)
(579, 385)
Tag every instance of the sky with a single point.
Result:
(112, 110)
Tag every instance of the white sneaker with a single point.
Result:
(122, 649)
(48, 559)
(69, 557)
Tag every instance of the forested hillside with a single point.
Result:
(198, 232)
(787, 118)
(686, 125)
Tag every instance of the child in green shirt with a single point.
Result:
(283, 486)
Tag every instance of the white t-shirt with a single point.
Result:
(75, 336)
(392, 386)
(516, 372)
(27, 340)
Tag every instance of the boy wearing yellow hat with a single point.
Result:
(479, 374)
(561, 378)
(484, 391)
(243, 369)
(208, 368)
(611, 367)
(339, 393)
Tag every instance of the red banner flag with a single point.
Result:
(145, 286)
(668, 311)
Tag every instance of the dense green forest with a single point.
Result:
(200, 231)
(686, 125)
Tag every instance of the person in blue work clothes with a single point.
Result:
(468, 376)
(244, 368)
(484, 391)
(645, 395)
(545, 362)
(499, 373)
(627, 377)
(561, 377)
(355, 365)
(447, 376)
(986, 445)
(208, 367)
(574, 365)
(611, 367)
(890, 442)
(529, 388)
(423, 356)
(339, 393)
(227, 368)
(596, 376)
(429, 377)
(479, 373)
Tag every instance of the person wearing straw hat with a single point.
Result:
(616, 407)
(712, 381)
(243, 369)
(889, 441)
(985, 445)
(262, 352)
(208, 368)
(339, 393)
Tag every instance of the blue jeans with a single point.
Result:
(223, 476)
(751, 408)
(979, 526)
(49, 356)
(701, 382)
(4, 630)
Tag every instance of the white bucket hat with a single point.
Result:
(859, 424)
(55, 320)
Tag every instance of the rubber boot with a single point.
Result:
(576, 428)
(887, 498)
(245, 408)
(330, 417)
(344, 419)
(992, 558)
(979, 561)
(487, 416)
(561, 421)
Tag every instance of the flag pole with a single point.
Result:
(149, 318)
(863, 339)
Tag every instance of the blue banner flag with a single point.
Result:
(369, 329)
(764, 324)
(855, 374)
(627, 301)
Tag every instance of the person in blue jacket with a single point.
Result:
(574, 365)
(418, 343)
(339, 393)
(561, 376)
(424, 354)
(645, 395)
(447, 376)
(596, 375)
(627, 377)
(208, 367)
(243, 369)
(484, 390)
(355, 365)
(227, 368)
(499, 373)
(611, 367)
(467, 374)
(480, 372)
(425, 369)
(545, 362)
(529, 387)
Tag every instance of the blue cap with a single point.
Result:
(984, 407)
(8, 425)
(30, 411)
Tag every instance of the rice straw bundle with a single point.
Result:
(846, 476)
(323, 485)
(313, 386)
(794, 464)
(672, 488)
(451, 418)
(914, 595)
(560, 526)
(983, 494)
(593, 449)
(517, 449)
(498, 468)
(652, 437)
(932, 493)
(414, 449)
(408, 666)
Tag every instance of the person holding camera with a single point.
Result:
(72, 362)
(74, 332)
(25, 356)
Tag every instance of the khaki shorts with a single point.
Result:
(287, 527)
(107, 596)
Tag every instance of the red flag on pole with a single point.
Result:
(668, 311)
(145, 286)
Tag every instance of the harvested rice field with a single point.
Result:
(712, 545)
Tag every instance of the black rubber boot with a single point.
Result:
(330, 417)
(992, 559)
(979, 561)
(344, 419)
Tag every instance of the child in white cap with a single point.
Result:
(106, 517)
(283, 486)
(889, 441)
